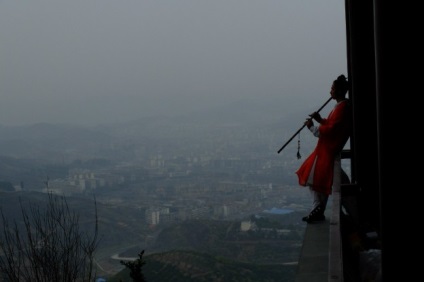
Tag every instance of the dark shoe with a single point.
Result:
(316, 214)
(314, 218)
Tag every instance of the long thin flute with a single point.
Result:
(303, 126)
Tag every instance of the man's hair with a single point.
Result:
(341, 84)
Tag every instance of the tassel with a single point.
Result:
(298, 147)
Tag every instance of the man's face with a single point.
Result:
(333, 91)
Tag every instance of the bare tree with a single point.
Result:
(135, 268)
(49, 244)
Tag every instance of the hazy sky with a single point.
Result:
(102, 61)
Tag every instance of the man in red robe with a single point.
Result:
(318, 170)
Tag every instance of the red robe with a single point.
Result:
(334, 131)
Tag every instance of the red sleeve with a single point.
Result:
(336, 119)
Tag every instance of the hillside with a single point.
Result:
(189, 266)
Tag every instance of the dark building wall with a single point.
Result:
(382, 40)
(362, 76)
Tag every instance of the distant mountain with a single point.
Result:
(50, 142)
(61, 143)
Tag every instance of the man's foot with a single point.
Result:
(317, 214)
(314, 218)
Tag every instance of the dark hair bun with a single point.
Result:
(341, 78)
(341, 84)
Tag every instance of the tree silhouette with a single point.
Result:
(135, 268)
(47, 245)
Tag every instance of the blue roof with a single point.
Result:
(278, 211)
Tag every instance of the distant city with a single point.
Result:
(175, 169)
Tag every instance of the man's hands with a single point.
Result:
(309, 123)
(316, 116)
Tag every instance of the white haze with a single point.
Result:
(104, 61)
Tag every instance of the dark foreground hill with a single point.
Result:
(189, 266)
